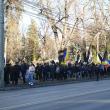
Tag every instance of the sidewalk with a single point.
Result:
(46, 83)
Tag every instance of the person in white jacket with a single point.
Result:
(31, 73)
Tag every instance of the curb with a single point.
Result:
(46, 84)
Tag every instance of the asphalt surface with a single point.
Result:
(81, 96)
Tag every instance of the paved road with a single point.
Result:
(82, 96)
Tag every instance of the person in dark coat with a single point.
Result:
(37, 71)
(101, 70)
(24, 68)
(7, 71)
(15, 73)
(52, 70)
(44, 72)
(97, 72)
(69, 70)
(108, 70)
(40, 72)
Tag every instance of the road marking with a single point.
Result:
(83, 101)
(50, 100)
(98, 101)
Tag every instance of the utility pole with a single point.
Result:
(65, 26)
(1, 43)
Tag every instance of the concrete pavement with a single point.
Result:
(80, 96)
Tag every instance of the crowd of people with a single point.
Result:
(28, 73)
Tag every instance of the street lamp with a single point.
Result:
(1, 43)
